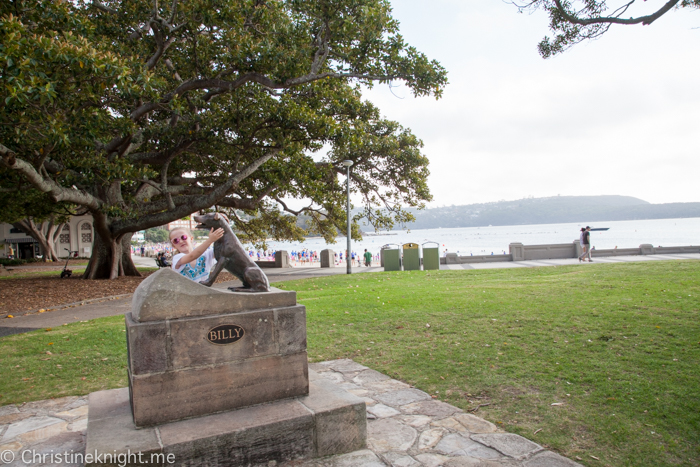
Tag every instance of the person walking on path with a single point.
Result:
(586, 244)
(194, 262)
(368, 258)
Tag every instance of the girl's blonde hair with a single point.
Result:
(179, 229)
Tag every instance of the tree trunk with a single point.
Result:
(51, 237)
(102, 263)
(46, 234)
(30, 228)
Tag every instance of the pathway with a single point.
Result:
(406, 428)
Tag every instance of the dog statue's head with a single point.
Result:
(211, 220)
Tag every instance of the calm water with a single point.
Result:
(485, 240)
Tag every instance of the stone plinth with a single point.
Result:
(327, 259)
(517, 250)
(195, 351)
(328, 421)
(647, 248)
(282, 259)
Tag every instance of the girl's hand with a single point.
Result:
(214, 235)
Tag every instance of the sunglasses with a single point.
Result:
(177, 240)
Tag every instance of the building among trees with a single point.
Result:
(76, 236)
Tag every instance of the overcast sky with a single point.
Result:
(620, 115)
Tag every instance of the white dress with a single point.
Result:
(200, 272)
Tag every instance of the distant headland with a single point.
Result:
(552, 210)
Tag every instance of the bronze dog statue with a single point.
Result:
(229, 254)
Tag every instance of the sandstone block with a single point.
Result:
(189, 347)
(253, 435)
(146, 345)
(174, 395)
(168, 295)
(327, 422)
(340, 418)
(111, 428)
(290, 325)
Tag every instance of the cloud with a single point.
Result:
(614, 116)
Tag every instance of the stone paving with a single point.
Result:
(406, 428)
(40, 427)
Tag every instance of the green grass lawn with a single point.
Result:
(27, 275)
(617, 346)
(77, 270)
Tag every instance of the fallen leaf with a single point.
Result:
(594, 457)
(558, 403)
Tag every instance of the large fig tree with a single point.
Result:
(142, 112)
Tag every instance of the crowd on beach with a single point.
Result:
(303, 257)
(309, 257)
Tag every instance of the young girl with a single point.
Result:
(193, 262)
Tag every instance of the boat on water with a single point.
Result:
(600, 229)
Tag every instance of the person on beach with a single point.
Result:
(193, 262)
(368, 258)
(585, 244)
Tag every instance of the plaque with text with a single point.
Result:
(225, 334)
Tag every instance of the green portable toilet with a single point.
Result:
(391, 257)
(411, 257)
(431, 256)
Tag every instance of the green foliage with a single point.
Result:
(15, 261)
(20, 201)
(143, 115)
(156, 235)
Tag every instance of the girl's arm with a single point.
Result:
(214, 235)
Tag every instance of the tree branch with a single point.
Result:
(100, 6)
(645, 20)
(220, 86)
(201, 202)
(57, 192)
